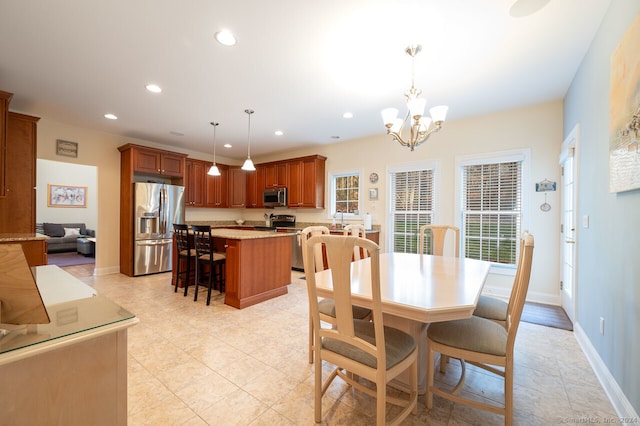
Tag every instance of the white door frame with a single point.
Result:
(569, 290)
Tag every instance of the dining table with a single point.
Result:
(416, 290)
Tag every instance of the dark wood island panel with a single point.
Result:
(257, 270)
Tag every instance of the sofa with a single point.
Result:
(63, 236)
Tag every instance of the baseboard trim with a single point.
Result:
(620, 403)
(106, 271)
(532, 296)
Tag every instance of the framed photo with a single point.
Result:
(66, 148)
(373, 193)
(66, 196)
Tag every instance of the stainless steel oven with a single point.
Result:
(287, 223)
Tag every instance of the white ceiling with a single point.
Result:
(299, 64)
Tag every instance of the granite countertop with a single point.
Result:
(246, 234)
(8, 238)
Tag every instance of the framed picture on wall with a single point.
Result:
(66, 196)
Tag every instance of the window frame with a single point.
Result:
(522, 155)
(431, 164)
(331, 211)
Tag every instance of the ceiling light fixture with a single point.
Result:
(248, 164)
(420, 127)
(153, 88)
(111, 116)
(213, 170)
(226, 38)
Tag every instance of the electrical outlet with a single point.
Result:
(602, 326)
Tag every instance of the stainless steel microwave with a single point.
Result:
(274, 197)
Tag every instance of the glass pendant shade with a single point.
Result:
(248, 165)
(416, 106)
(389, 115)
(213, 170)
(439, 113)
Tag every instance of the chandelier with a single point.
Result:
(421, 127)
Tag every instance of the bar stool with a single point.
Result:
(186, 255)
(206, 256)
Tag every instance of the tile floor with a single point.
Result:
(192, 364)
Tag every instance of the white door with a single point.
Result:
(568, 235)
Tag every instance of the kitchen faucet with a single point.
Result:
(341, 218)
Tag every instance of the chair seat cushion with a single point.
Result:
(185, 253)
(399, 344)
(491, 308)
(328, 307)
(474, 334)
(217, 257)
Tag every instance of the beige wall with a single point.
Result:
(538, 128)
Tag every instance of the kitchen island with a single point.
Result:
(34, 246)
(258, 264)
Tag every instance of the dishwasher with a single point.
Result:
(287, 223)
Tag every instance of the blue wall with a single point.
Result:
(609, 250)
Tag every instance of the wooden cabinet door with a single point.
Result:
(216, 194)
(275, 175)
(172, 165)
(17, 207)
(146, 161)
(255, 187)
(194, 182)
(5, 98)
(306, 182)
(237, 187)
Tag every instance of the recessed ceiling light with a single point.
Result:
(111, 116)
(174, 133)
(279, 133)
(227, 145)
(226, 38)
(335, 137)
(347, 115)
(153, 88)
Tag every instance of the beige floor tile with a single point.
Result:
(193, 364)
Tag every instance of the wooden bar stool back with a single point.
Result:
(207, 260)
(186, 255)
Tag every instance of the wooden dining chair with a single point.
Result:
(207, 257)
(496, 309)
(438, 234)
(327, 307)
(358, 231)
(186, 255)
(483, 343)
(357, 349)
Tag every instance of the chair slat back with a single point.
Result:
(520, 288)
(181, 233)
(318, 253)
(202, 240)
(358, 231)
(438, 238)
(339, 251)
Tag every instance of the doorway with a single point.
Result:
(569, 228)
(59, 173)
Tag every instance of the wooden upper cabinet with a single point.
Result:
(5, 98)
(237, 187)
(255, 187)
(217, 188)
(18, 206)
(158, 162)
(275, 175)
(195, 182)
(306, 182)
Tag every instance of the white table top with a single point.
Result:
(422, 288)
(57, 285)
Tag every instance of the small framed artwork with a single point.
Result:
(66, 196)
(66, 148)
(373, 193)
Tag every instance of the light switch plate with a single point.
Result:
(585, 221)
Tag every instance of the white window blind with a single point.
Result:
(492, 211)
(411, 207)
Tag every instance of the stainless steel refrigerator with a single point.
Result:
(157, 207)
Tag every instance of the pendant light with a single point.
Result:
(248, 164)
(213, 170)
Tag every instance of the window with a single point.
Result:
(412, 206)
(491, 208)
(345, 193)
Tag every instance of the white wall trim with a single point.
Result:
(532, 296)
(620, 403)
(106, 271)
